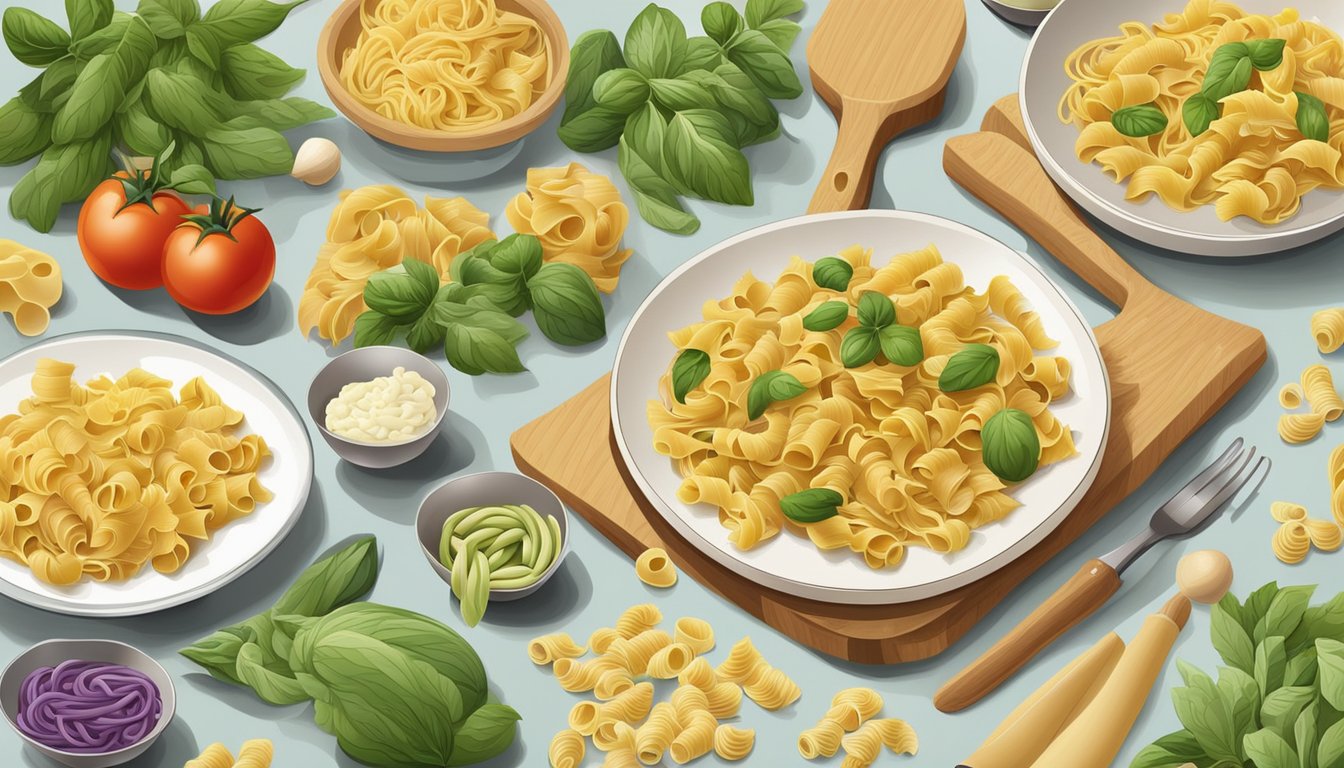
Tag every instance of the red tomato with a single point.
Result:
(123, 244)
(220, 260)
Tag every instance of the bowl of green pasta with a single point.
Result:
(492, 536)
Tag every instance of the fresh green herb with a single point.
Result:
(901, 345)
(403, 292)
(812, 505)
(826, 317)
(690, 369)
(1229, 71)
(1312, 119)
(566, 306)
(876, 310)
(135, 83)
(769, 388)
(832, 273)
(973, 366)
(1010, 446)
(680, 109)
(1266, 54)
(860, 346)
(1139, 120)
(1199, 112)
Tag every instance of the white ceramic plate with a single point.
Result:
(231, 550)
(791, 563)
(1199, 232)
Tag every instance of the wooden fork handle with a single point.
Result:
(1079, 598)
(1009, 179)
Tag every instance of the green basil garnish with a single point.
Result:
(566, 305)
(1139, 120)
(1266, 54)
(771, 387)
(832, 273)
(1010, 446)
(1312, 119)
(1229, 72)
(876, 310)
(859, 347)
(1199, 112)
(690, 369)
(812, 505)
(972, 367)
(901, 345)
(826, 317)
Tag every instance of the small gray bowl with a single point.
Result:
(53, 652)
(484, 489)
(1023, 17)
(366, 364)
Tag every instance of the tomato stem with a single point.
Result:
(223, 216)
(140, 184)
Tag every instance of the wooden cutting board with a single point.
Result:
(1171, 365)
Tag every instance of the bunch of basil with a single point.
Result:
(681, 109)
(396, 688)
(1279, 702)
(472, 317)
(164, 76)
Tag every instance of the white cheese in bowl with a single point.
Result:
(388, 409)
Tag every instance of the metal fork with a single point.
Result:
(1185, 512)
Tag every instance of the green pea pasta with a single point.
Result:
(508, 546)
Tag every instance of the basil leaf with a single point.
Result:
(702, 53)
(1330, 678)
(88, 16)
(859, 347)
(901, 345)
(594, 130)
(1268, 750)
(475, 350)
(33, 39)
(1230, 639)
(974, 366)
(656, 199)
(183, 102)
(1227, 74)
(30, 131)
(1010, 448)
(735, 91)
(1266, 54)
(832, 273)
(140, 132)
(767, 66)
(1306, 734)
(1139, 120)
(101, 38)
(230, 22)
(248, 153)
(218, 653)
(1271, 661)
(373, 329)
(1257, 605)
(101, 86)
(655, 43)
(690, 369)
(1302, 668)
(622, 90)
(1285, 612)
(274, 684)
(1200, 710)
(50, 90)
(65, 173)
(478, 315)
(1199, 111)
(593, 54)
(1331, 750)
(1238, 692)
(252, 73)
(424, 334)
(720, 21)
(812, 505)
(826, 317)
(679, 94)
(876, 310)
(700, 157)
(192, 180)
(1312, 119)
(771, 387)
(339, 578)
(277, 114)
(1282, 707)
(781, 32)
(517, 255)
(566, 306)
(486, 733)
(169, 19)
(762, 11)
(1171, 750)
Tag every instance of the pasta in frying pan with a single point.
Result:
(1214, 106)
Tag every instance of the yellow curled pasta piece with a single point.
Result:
(1290, 396)
(1297, 428)
(547, 648)
(654, 567)
(732, 744)
(256, 753)
(579, 218)
(215, 756)
(1327, 326)
(864, 746)
(697, 634)
(1318, 386)
(567, 749)
(1291, 542)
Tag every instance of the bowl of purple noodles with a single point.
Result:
(87, 703)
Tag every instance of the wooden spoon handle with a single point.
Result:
(847, 184)
(1079, 598)
(1005, 116)
(1010, 180)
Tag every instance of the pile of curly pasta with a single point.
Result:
(865, 451)
(1214, 106)
(99, 480)
(446, 65)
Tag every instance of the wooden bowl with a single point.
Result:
(340, 34)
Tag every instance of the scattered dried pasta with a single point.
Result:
(1318, 387)
(548, 648)
(215, 756)
(614, 734)
(654, 737)
(636, 619)
(30, 285)
(634, 653)
(654, 567)
(671, 661)
(743, 659)
(1298, 533)
(725, 699)
(1290, 396)
(695, 633)
(864, 746)
(255, 753)
(1296, 428)
(696, 738)
(1335, 470)
(772, 689)
(579, 218)
(1328, 328)
(733, 744)
(850, 708)
(567, 749)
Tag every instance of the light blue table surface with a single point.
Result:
(1276, 294)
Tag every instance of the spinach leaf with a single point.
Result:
(30, 131)
(1268, 750)
(218, 652)
(812, 505)
(230, 22)
(975, 365)
(169, 19)
(1330, 752)
(251, 72)
(700, 156)
(66, 173)
(901, 345)
(33, 39)
(1139, 120)
(655, 43)
(1282, 707)
(621, 90)
(735, 91)
(721, 21)
(276, 114)
(1171, 750)
(486, 732)
(100, 87)
(594, 53)
(769, 388)
(483, 315)
(339, 578)
(1271, 661)
(247, 153)
(1256, 606)
(690, 369)
(764, 11)
(1307, 732)
(1230, 639)
(1201, 711)
(566, 306)
(1330, 678)
(273, 683)
(1011, 448)
(50, 90)
(1285, 612)
(765, 64)
(1239, 693)
(88, 17)
(827, 316)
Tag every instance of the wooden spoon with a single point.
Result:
(883, 67)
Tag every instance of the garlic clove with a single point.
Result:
(317, 161)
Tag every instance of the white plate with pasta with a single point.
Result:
(173, 470)
(847, 477)
(1223, 122)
